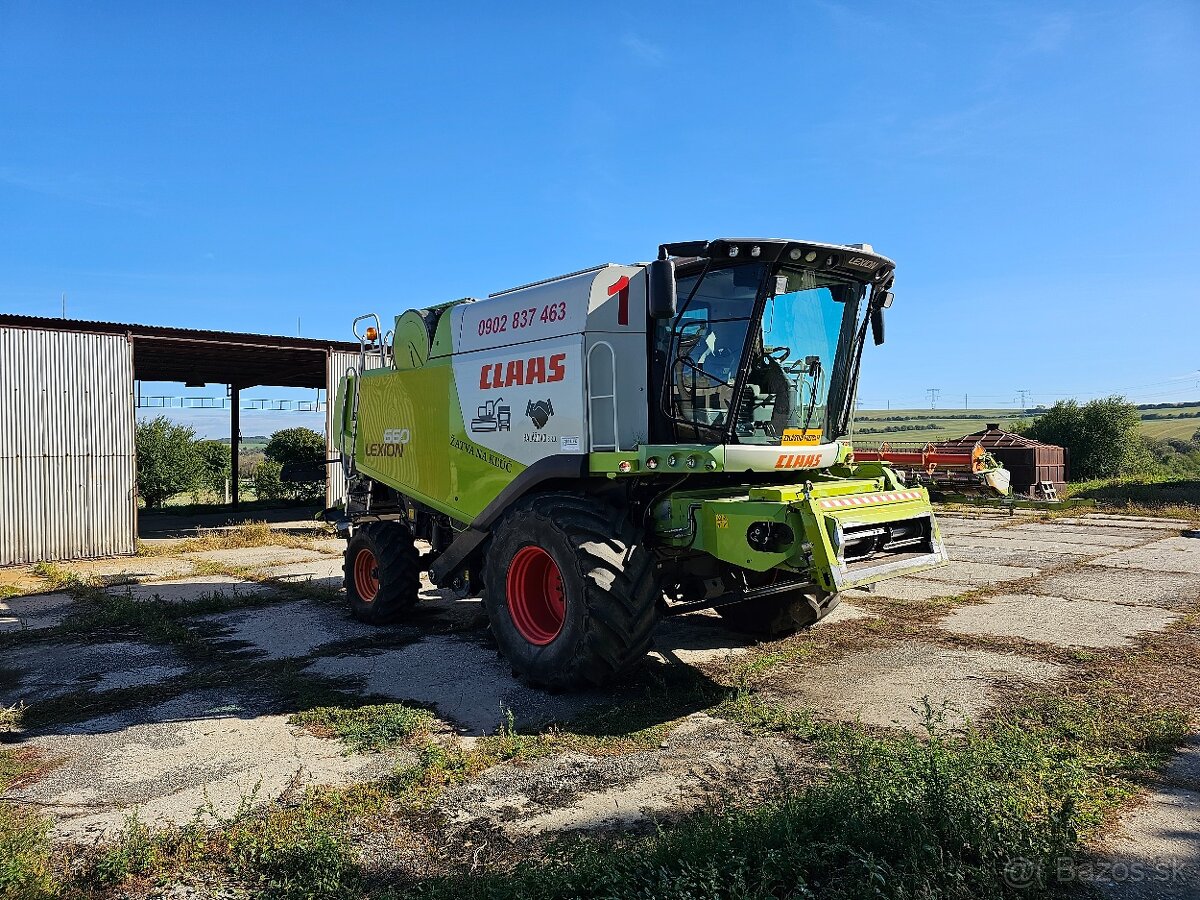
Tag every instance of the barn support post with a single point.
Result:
(235, 432)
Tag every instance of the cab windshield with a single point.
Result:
(782, 355)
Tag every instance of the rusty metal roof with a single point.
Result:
(213, 357)
(993, 437)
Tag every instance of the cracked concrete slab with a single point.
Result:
(1177, 554)
(1160, 837)
(1123, 521)
(979, 574)
(129, 568)
(331, 546)
(702, 759)
(704, 637)
(51, 670)
(916, 589)
(885, 686)
(255, 557)
(286, 630)
(1028, 558)
(1037, 545)
(1169, 590)
(33, 612)
(323, 571)
(202, 755)
(189, 590)
(1097, 537)
(1058, 621)
(469, 684)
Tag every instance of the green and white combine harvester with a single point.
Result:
(595, 451)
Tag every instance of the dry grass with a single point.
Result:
(250, 534)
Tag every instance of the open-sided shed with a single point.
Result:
(68, 480)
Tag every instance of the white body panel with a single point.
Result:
(522, 362)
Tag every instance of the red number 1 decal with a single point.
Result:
(621, 289)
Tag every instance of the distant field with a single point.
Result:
(940, 424)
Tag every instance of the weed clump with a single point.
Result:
(372, 727)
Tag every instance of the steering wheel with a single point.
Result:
(779, 354)
(696, 367)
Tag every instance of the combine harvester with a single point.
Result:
(951, 469)
(598, 450)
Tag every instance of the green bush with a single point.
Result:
(268, 481)
(167, 461)
(1103, 437)
(300, 453)
(214, 465)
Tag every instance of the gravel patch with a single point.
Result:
(34, 612)
(286, 630)
(202, 755)
(51, 670)
(1059, 621)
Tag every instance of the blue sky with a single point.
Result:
(1032, 167)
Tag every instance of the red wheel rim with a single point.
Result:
(366, 575)
(536, 600)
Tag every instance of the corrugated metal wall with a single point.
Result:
(67, 457)
(339, 361)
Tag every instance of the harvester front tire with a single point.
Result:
(778, 616)
(571, 593)
(382, 572)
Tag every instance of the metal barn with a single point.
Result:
(68, 478)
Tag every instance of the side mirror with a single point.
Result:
(660, 285)
(885, 301)
(877, 324)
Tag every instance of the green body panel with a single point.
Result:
(436, 463)
(716, 522)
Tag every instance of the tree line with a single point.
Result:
(171, 461)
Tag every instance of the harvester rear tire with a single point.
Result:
(382, 572)
(570, 591)
(780, 615)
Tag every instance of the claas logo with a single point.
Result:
(798, 460)
(535, 370)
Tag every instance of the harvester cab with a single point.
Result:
(596, 450)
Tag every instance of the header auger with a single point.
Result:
(597, 450)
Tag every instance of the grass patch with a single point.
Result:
(250, 534)
(371, 727)
(58, 578)
(25, 855)
(936, 814)
(25, 858)
(1143, 495)
(8, 590)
